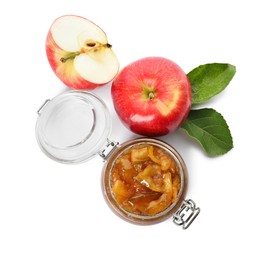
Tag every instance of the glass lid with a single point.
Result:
(73, 126)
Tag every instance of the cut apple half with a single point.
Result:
(79, 53)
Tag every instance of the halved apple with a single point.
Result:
(79, 53)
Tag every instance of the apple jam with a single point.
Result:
(145, 180)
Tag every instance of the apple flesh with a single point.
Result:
(152, 96)
(79, 53)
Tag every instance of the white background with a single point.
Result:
(54, 211)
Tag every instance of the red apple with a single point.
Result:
(152, 96)
(79, 53)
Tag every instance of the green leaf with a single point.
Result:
(210, 129)
(210, 79)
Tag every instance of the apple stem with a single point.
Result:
(71, 56)
(151, 95)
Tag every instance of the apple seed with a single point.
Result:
(91, 44)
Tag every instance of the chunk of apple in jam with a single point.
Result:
(151, 177)
(165, 199)
(122, 191)
(160, 158)
(139, 154)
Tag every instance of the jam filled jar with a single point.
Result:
(144, 181)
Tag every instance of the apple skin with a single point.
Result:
(152, 96)
(66, 71)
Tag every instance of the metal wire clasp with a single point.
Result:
(186, 214)
(108, 149)
(43, 105)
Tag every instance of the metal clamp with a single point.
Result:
(186, 214)
(43, 105)
(108, 149)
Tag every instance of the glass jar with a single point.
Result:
(75, 126)
(107, 185)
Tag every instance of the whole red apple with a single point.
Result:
(152, 96)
